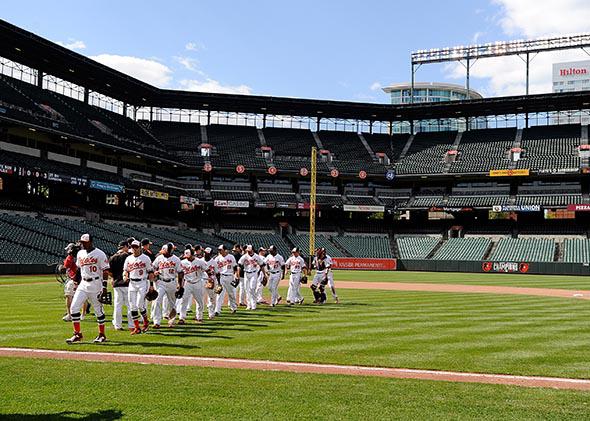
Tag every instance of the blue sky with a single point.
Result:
(319, 49)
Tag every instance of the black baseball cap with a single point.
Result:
(123, 243)
(145, 242)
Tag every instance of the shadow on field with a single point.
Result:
(107, 415)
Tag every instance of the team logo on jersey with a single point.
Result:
(89, 260)
(138, 264)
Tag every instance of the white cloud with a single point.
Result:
(72, 44)
(194, 46)
(527, 19)
(149, 71)
(375, 86)
(535, 18)
(211, 85)
(188, 63)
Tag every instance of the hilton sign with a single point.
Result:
(572, 71)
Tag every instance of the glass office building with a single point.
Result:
(431, 92)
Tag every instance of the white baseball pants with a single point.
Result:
(229, 290)
(121, 298)
(294, 294)
(165, 289)
(193, 291)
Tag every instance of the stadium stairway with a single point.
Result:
(435, 249)
(490, 250)
(340, 247)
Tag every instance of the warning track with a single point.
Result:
(458, 288)
(293, 367)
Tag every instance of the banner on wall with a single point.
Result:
(506, 267)
(189, 200)
(110, 187)
(231, 203)
(363, 208)
(363, 264)
(509, 173)
(153, 194)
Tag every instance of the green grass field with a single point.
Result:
(461, 332)
(500, 279)
(60, 390)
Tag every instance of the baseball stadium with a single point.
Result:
(261, 257)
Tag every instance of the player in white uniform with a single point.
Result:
(250, 263)
(227, 265)
(94, 266)
(276, 269)
(296, 265)
(194, 283)
(322, 264)
(262, 280)
(331, 280)
(241, 296)
(138, 271)
(168, 270)
(213, 274)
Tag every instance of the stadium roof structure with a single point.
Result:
(38, 53)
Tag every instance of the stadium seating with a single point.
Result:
(550, 148)
(258, 240)
(463, 249)
(365, 245)
(392, 146)
(235, 145)
(576, 250)
(483, 150)
(524, 249)
(289, 142)
(416, 247)
(181, 139)
(302, 241)
(426, 153)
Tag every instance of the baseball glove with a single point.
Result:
(179, 293)
(218, 289)
(303, 279)
(235, 283)
(210, 284)
(324, 281)
(151, 295)
(105, 297)
(264, 281)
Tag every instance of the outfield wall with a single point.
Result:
(26, 269)
(482, 266)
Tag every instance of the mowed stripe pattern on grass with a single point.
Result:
(182, 393)
(293, 367)
(442, 331)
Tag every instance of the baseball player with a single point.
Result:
(211, 273)
(262, 279)
(137, 271)
(250, 263)
(94, 272)
(145, 246)
(120, 287)
(296, 265)
(168, 270)
(71, 270)
(331, 279)
(227, 265)
(193, 269)
(238, 252)
(276, 268)
(322, 264)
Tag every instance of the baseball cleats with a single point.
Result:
(76, 337)
(279, 299)
(199, 321)
(233, 311)
(67, 318)
(301, 301)
(181, 321)
(217, 313)
(100, 339)
(336, 300)
(156, 326)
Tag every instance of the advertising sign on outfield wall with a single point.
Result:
(507, 267)
(509, 173)
(363, 264)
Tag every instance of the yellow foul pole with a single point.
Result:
(312, 205)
